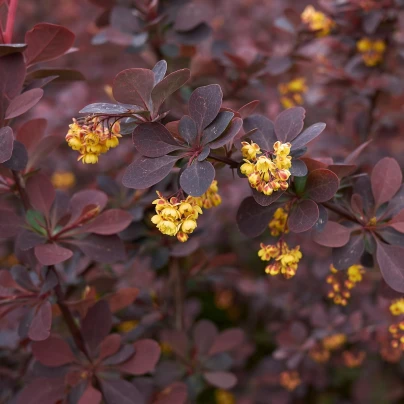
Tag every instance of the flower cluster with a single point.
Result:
(284, 260)
(290, 379)
(342, 282)
(224, 397)
(292, 92)
(353, 359)
(397, 307)
(92, 139)
(278, 225)
(372, 51)
(176, 217)
(397, 335)
(334, 342)
(319, 354)
(267, 174)
(210, 198)
(317, 21)
(63, 179)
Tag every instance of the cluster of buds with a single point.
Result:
(283, 260)
(334, 342)
(342, 282)
(63, 179)
(397, 307)
(317, 21)
(372, 51)
(278, 225)
(290, 379)
(353, 359)
(92, 139)
(176, 217)
(267, 174)
(292, 92)
(397, 335)
(210, 198)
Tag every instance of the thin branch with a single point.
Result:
(12, 11)
(232, 163)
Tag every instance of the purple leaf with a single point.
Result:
(223, 380)
(31, 132)
(197, 178)
(386, 180)
(53, 352)
(109, 222)
(147, 354)
(204, 333)
(120, 391)
(42, 390)
(152, 139)
(10, 224)
(227, 341)
(390, 259)
(350, 253)
(46, 42)
(124, 353)
(289, 123)
(168, 86)
(353, 156)
(6, 143)
(107, 108)
(41, 324)
(322, 184)
(265, 135)
(105, 249)
(45, 146)
(188, 130)
(110, 345)
(159, 70)
(185, 249)
(204, 153)
(90, 396)
(333, 235)
(134, 86)
(266, 200)
(229, 134)
(303, 216)
(83, 200)
(252, 218)
(247, 109)
(342, 170)
(145, 172)
(21, 275)
(194, 36)
(217, 127)
(204, 105)
(298, 169)
(40, 192)
(308, 135)
(23, 102)
(19, 157)
(176, 392)
(190, 16)
(7, 49)
(52, 254)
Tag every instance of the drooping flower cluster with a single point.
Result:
(92, 139)
(397, 307)
(176, 217)
(210, 198)
(283, 259)
(278, 225)
(290, 379)
(397, 335)
(372, 51)
(292, 92)
(317, 21)
(342, 282)
(267, 174)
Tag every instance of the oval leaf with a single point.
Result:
(40, 192)
(23, 102)
(289, 123)
(333, 235)
(52, 254)
(196, 179)
(19, 157)
(299, 168)
(159, 70)
(223, 380)
(110, 222)
(322, 184)
(217, 127)
(230, 133)
(227, 341)
(41, 324)
(264, 136)
(390, 259)
(308, 135)
(188, 130)
(350, 253)
(6, 143)
(53, 352)
(303, 216)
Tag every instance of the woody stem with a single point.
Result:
(232, 163)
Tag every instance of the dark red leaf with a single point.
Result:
(303, 216)
(322, 184)
(52, 254)
(41, 324)
(46, 42)
(175, 393)
(194, 36)
(227, 341)
(19, 157)
(106, 108)
(197, 178)
(45, 146)
(247, 109)
(31, 132)
(145, 172)
(390, 259)
(289, 123)
(266, 200)
(21, 275)
(185, 249)
(40, 192)
(109, 222)
(252, 218)
(223, 380)
(120, 391)
(152, 139)
(53, 352)
(110, 345)
(6, 143)
(299, 168)
(124, 353)
(386, 180)
(7, 49)
(204, 105)
(168, 86)
(398, 222)
(188, 130)
(96, 325)
(177, 340)
(265, 135)
(353, 156)
(10, 224)
(350, 253)
(122, 298)
(147, 354)
(90, 396)
(217, 127)
(84, 199)
(23, 102)
(204, 333)
(229, 134)
(43, 390)
(333, 235)
(190, 16)
(159, 70)
(134, 86)
(308, 135)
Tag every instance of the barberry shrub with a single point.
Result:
(214, 217)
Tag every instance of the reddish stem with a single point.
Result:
(12, 11)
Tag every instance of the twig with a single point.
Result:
(19, 183)
(232, 163)
(12, 11)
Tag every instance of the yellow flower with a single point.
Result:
(224, 397)
(353, 359)
(210, 198)
(63, 179)
(397, 335)
(317, 21)
(127, 326)
(334, 342)
(247, 168)
(188, 226)
(250, 151)
(372, 51)
(89, 158)
(319, 354)
(290, 379)
(167, 227)
(397, 307)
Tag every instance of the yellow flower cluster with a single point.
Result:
(292, 92)
(397, 335)
(267, 174)
(176, 217)
(92, 139)
(334, 342)
(63, 179)
(372, 51)
(210, 198)
(317, 21)
(342, 282)
(319, 354)
(285, 260)
(290, 379)
(353, 359)
(397, 307)
(224, 397)
(278, 225)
